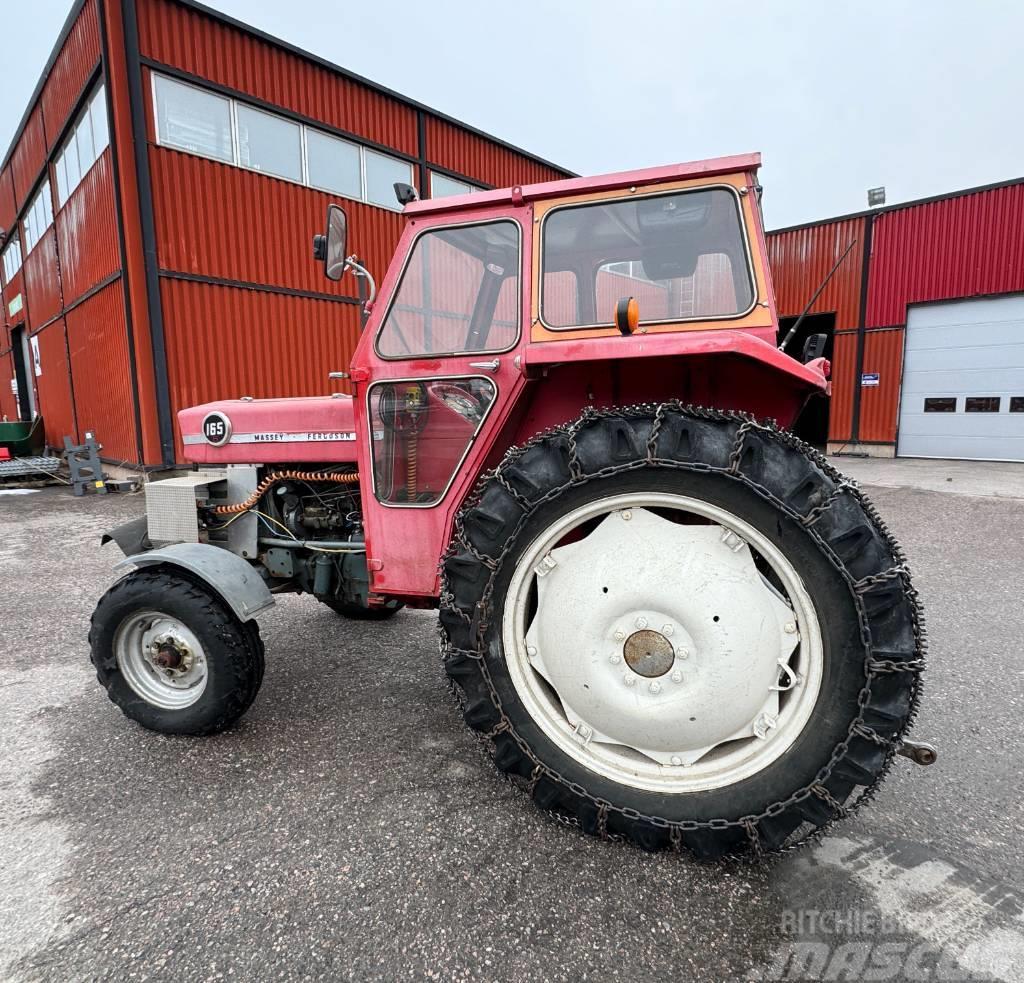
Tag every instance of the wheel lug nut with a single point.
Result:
(676, 760)
(655, 687)
(667, 629)
(614, 659)
(790, 628)
(677, 676)
(627, 515)
(629, 679)
(531, 650)
(683, 654)
(619, 636)
(641, 622)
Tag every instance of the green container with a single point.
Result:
(23, 439)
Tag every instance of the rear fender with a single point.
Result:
(234, 580)
(131, 537)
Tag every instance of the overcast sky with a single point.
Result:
(922, 97)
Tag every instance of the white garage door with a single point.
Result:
(963, 380)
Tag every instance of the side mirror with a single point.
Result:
(330, 247)
(814, 347)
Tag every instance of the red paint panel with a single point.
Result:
(956, 247)
(459, 150)
(98, 342)
(29, 157)
(223, 342)
(8, 210)
(8, 404)
(800, 259)
(844, 368)
(222, 221)
(879, 405)
(15, 287)
(204, 46)
(42, 284)
(87, 232)
(53, 387)
(71, 70)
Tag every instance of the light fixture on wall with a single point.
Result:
(876, 196)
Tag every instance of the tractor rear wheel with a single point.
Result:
(172, 655)
(681, 628)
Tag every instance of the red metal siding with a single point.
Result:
(8, 211)
(844, 366)
(222, 221)
(98, 342)
(15, 287)
(200, 45)
(8, 404)
(800, 259)
(71, 70)
(883, 353)
(223, 342)
(459, 150)
(87, 232)
(42, 285)
(53, 388)
(955, 247)
(29, 157)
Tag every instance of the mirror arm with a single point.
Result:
(360, 270)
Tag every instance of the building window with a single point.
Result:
(83, 148)
(190, 118)
(442, 186)
(12, 259)
(333, 164)
(38, 218)
(381, 173)
(269, 143)
(940, 404)
(1017, 404)
(982, 404)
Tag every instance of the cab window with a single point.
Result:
(683, 256)
(459, 293)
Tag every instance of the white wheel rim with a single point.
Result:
(161, 660)
(717, 699)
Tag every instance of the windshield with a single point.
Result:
(459, 293)
(683, 256)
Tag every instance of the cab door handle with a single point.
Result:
(492, 366)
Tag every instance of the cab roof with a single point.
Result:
(518, 194)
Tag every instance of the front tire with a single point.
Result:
(636, 742)
(172, 655)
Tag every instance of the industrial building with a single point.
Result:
(157, 203)
(157, 207)
(926, 314)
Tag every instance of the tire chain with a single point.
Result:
(872, 667)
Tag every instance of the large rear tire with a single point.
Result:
(172, 655)
(681, 628)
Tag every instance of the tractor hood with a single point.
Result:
(262, 431)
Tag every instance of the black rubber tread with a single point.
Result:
(233, 648)
(358, 613)
(776, 480)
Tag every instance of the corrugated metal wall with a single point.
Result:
(28, 157)
(78, 59)
(940, 250)
(53, 387)
(800, 259)
(883, 354)
(42, 284)
(98, 344)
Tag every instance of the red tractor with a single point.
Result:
(670, 620)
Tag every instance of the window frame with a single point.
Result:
(44, 197)
(85, 115)
(14, 240)
(610, 325)
(155, 76)
(410, 252)
(471, 189)
(470, 444)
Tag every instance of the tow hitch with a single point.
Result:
(920, 752)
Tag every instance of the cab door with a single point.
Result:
(437, 374)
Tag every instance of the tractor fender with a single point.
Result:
(131, 537)
(235, 580)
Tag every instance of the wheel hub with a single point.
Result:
(161, 659)
(649, 653)
(661, 643)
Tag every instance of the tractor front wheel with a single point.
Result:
(681, 628)
(172, 655)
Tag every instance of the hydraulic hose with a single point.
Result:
(350, 478)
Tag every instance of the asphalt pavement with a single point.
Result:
(350, 828)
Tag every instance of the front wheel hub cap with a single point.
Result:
(648, 653)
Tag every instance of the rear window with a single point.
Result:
(683, 256)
